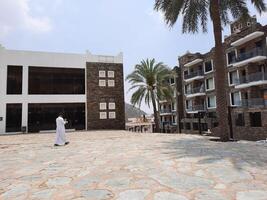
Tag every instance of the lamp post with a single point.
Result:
(230, 122)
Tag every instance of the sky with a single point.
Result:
(105, 27)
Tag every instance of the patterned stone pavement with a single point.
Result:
(125, 166)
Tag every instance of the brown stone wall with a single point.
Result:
(247, 132)
(97, 94)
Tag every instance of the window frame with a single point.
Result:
(209, 89)
(100, 81)
(111, 81)
(103, 115)
(102, 74)
(237, 75)
(207, 101)
(212, 68)
(112, 115)
(240, 98)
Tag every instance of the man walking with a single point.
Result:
(60, 131)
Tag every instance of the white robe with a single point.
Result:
(60, 135)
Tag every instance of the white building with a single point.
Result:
(35, 86)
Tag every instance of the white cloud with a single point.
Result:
(15, 14)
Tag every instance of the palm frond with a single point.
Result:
(259, 5)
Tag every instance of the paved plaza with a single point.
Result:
(128, 166)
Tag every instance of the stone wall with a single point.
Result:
(247, 132)
(105, 94)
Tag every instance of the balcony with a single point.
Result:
(196, 75)
(254, 103)
(165, 112)
(247, 38)
(196, 61)
(195, 109)
(194, 92)
(254, 79)
(251, 56)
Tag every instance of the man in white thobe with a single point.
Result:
(60, 134)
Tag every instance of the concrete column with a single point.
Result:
(25, 77)
(3, 78)
(25, 115)
(3, 116)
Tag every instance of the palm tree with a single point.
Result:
(150, 81)
(197, 12)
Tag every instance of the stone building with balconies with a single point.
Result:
(246, 67)
(167, 111)
(246, 64)
(198, 92)
(172, 111)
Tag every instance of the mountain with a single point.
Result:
(132, 112)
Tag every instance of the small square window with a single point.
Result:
(102, 74)
(208, 66)
(111, 83)
(111, 74)
(103, 115)
(111, 106)
(102, 83)
(210, 84)
(103, 106)
(112, 115)
(255, 119)
(240, 119)
(211, 101)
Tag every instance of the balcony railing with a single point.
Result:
(162, 111)
(194, 74)
(259, 76)
(195, 90)
(250, 54)
(254, 102)
(195, 108)
(167, 123)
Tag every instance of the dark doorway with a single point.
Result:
(13, 117)
(43, 116)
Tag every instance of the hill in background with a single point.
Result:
(132, 112)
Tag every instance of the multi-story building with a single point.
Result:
(198, 91)
(246, 71)
(36, 86)
(168, 109)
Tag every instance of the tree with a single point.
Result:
(150, 81)
(196, 13)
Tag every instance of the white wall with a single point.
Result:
(41, 59)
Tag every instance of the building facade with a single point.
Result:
(170, 111)
(246, 71)
(37, 86)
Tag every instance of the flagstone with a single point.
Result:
(119, 165)
(169, 196)
(252, 195)
(133, 195)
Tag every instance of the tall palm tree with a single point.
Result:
(150, 81)
(196, 13)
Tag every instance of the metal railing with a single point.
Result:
(166, 123)
(196, 108)
(200, 89)
(259, 76)
(250, 54)
(194, 74)
(162, 111)
(254, 102)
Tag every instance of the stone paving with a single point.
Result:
(120, 165)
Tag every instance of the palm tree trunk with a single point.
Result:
(156, 117)
(220, 76)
